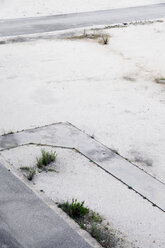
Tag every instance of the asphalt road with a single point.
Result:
(44, 24)
(27, 222)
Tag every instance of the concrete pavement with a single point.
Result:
(44, 24)
(68, 136)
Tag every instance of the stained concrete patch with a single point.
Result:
(142, 159)
(8, 140)
(101, 154)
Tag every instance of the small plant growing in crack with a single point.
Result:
(105, 39)
(75, 209)
(45, 159)
(42, 162)
(31, 171)
(90, 221)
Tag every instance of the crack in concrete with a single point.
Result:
(65, 135)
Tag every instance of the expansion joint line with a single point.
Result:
(72, 148)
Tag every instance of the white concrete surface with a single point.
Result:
(67, 136)
(131, 217)
(28, 8)
(108, 91)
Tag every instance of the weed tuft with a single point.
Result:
(90, 221)
(94, 217)
(45, 159)
(103, 235)
(42, 162)
(75, 209)
(30, 172)
(105, 39)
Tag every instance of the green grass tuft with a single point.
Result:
(94, 217)
(45, 159)
(31, 172)
(90, 221)
(75, 209)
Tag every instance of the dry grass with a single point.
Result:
(102, 38)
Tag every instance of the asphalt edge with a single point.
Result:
(51, 204)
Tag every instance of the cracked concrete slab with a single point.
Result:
(26, 221)
(67, 136)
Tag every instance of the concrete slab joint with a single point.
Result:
(67, 136)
